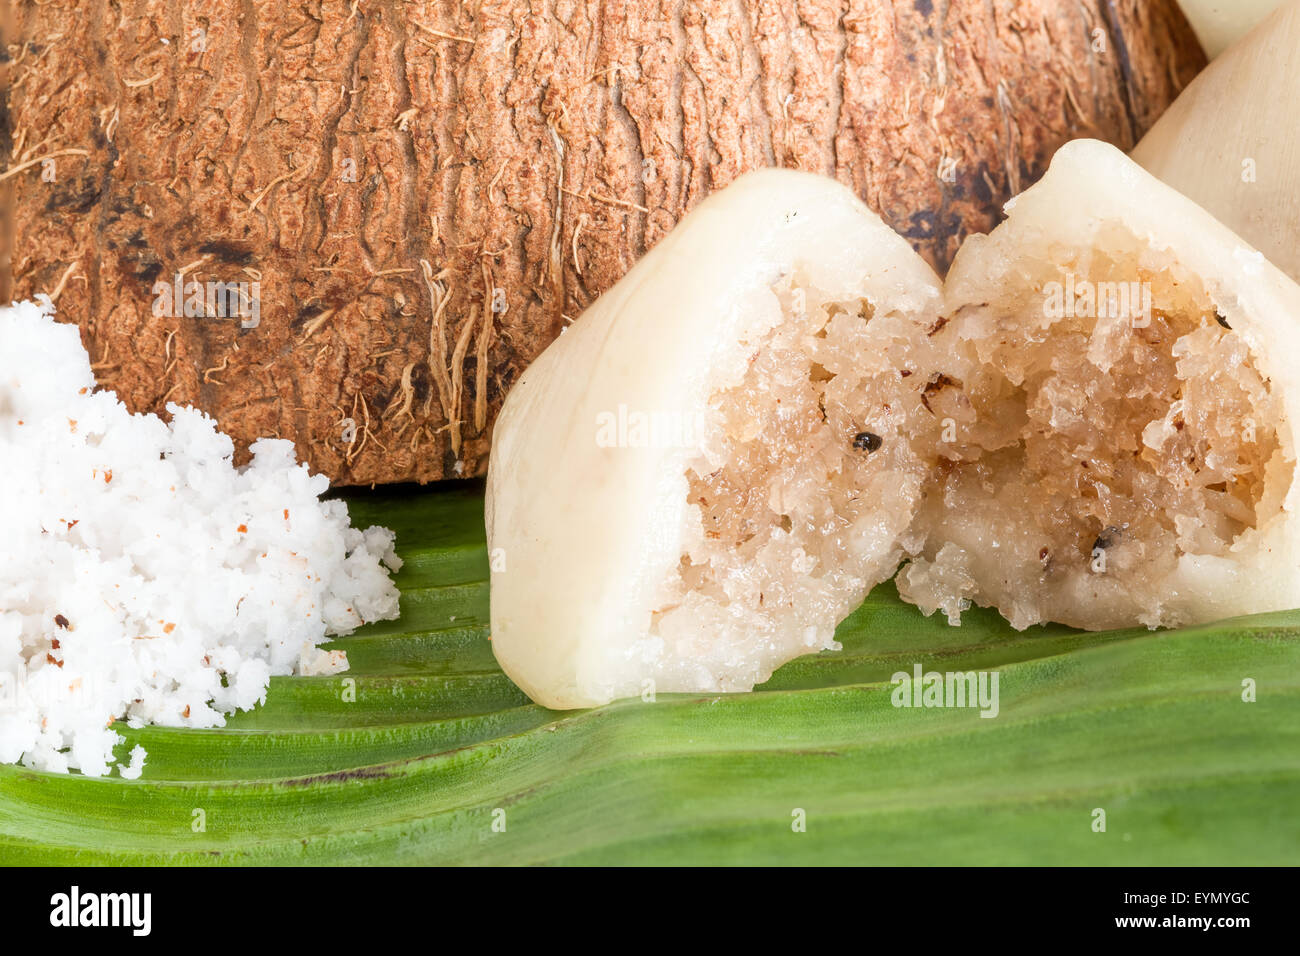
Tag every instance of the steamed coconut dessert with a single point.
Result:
(1091, 424)
(714, 464)
(1124, 440)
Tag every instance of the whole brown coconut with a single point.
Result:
(418, 197)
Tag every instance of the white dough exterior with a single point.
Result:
(1231, 140)
(1089, 185)
(1220, 23)
(584, 537)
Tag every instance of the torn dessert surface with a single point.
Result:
(1090, 423)
(713, 466)
(1122, 416)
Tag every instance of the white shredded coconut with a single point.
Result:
(145, 578)
(135, 767)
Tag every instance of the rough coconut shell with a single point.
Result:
(427, 193)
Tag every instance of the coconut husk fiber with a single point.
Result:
(426, 194)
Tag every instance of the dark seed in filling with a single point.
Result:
(1107, 538)
(1222, 321)
(866, 441)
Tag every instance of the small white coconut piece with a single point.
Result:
(1231, 141)
(712, 466)
(1125, 405)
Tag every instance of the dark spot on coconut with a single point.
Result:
(228, 252)
(75, 196)
(1043, 554)
(924, 7)
(1218, 317)
(904, 372)
(61, 621)
(306, 313)
(148, 271)
(420, 381)
(938, 325)
(867, 441)
(1029, 173)
(980, 181)
(922, 226)
(1130, 82)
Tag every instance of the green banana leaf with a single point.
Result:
(424, 752)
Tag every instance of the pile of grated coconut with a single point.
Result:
(142, 575)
